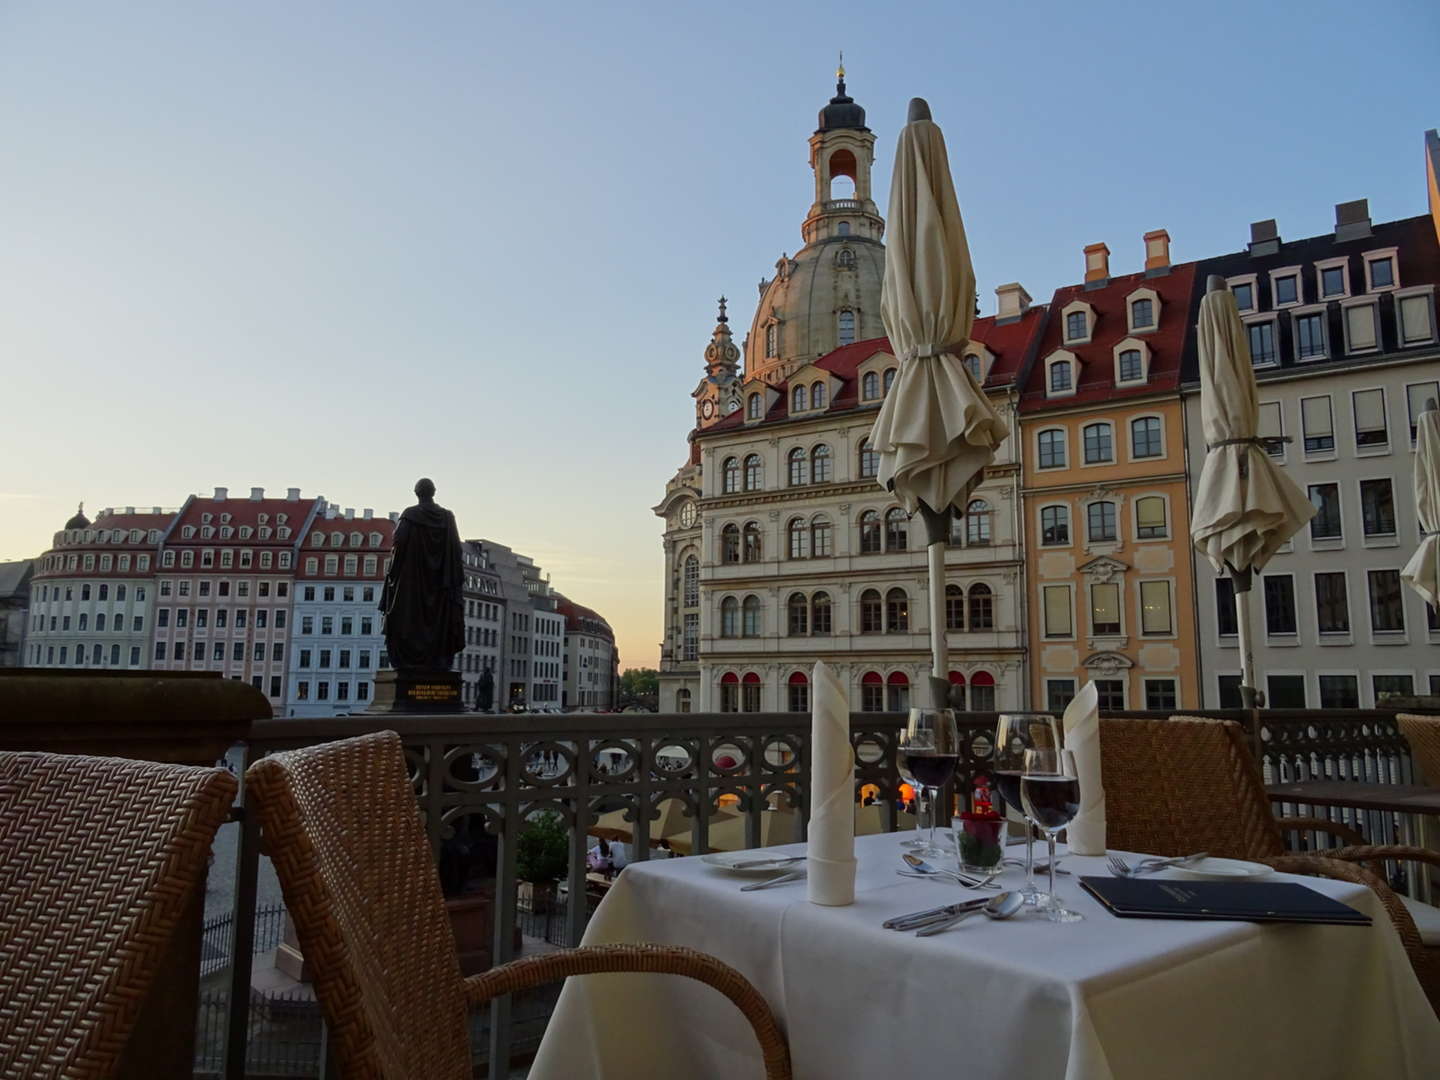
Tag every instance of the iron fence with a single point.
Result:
(219, 933)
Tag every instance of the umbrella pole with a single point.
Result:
(937, 527)
(1241, 580)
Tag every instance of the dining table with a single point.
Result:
(1106, 998)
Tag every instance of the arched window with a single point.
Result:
(1100, 521)
(750, 617)
(846, 259)
(897, 692)
(798, 534)
(843, 229)
(753, 407)
(754, 472)
(872, 692)
(119, 592)
(889, 379)
(730, 472)
(871, 535)
(982, 607)
(1055, 526)
(752, 547)
(817, 395)
(972, 365)
(820, 533)
(1150, 518)
(729, 692)
(729, 617)
(104, 591)
(1051, 445)
(795, 466)
(1145, 438)
(750, 693)
(847, 327)
(770, 342)
(870, 386)
(682, 701)
(820, 612)
(869, 458)
(954, 608)
(798, 399)
(1099, 441)
(897, 612)
(799, 696)
(897, 529)
(1142, 314)
(1060, 376)
(872, 612)
(730, 543)
(114, 655)
(982, 692)
(977, 523)
(820, 464)
(797, 610)
(957, 690)
(1130, 367)
(691, 595)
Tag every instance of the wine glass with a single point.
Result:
(929, 748)
(1015, 733)
(1050, 793)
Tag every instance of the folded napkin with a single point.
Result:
(1086, 834)
(831, 840)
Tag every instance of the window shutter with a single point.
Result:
(1105, 603)
(1415, 319)
(1150, 512)
(1316, 415)
(1270, 426)
(1155, 607)
(1369, 410)
(1057, 611)
(1360, 326)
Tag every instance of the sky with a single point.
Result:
(342, 245)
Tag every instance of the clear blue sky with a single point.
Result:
(343, 245)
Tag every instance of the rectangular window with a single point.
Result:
(1057, 611)
(1360, 331)
(1419, 397)
(1285, 691)
(1225, 617)
(1382, 275)
(134, 655)
(159, 650)
(1262, 343)
(362, 691)
(1370, 427)
(1272, 427)
(1287, 290)
(1339, 692)
(1244, 294)
(259, 657)
(1325, 525)
(1332, 605)
(1111, 693)
(1155, 617)
(1075, 326)
(1404, 685)
(1332, 282)
(1105, 608)
(240, 617)
(1279, 604)
(1387, 611)
(1150, 518)
(322, 691)
(1058, 694)
(799, 697)
(237, 652)
(1310, 336)
(162, 617)
(1100, 521)
(342, 691)
(1099, 444)
(1160, 694)
(218, 653)
(1415, 328)
(1055, 526)
(1317, 423)
(1377, 507)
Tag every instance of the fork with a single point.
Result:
(1120, 868)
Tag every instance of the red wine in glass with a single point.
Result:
(1050, 801)
(1007, 782)
(930, 770)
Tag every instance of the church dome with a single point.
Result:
(79, 521)
(842, 112)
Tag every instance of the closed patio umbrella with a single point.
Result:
(1245, 507)
(1422, 572)
(936, 431)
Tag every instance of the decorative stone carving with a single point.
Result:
(1107, 664)
(1102, 569)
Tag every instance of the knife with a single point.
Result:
(917, 918)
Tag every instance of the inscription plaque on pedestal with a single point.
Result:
(417, 692)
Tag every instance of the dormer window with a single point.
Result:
(1333, 278)
(753, 407)
(280, 519)
(317, 539)
(1380, 270)
(972, 365)
(262, 519)
(798, 400)
(1285, 286)
(870, 386)
(188, 532)
(889, 379)
(847, 327)
(1243, 289)
(1061, 377)
(1076, 326)
(817, 396)
(1129, 367)
(1142, 315)
(205, 519)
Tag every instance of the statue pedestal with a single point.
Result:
(417, 692)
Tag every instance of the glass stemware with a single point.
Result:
(1050, 793)
(1015, 733)
(928, 749)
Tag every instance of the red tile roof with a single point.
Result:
(242, 512)
(574, 612)
(1097, 359)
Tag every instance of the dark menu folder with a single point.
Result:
(1248, 901)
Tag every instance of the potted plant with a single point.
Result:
(542, 857)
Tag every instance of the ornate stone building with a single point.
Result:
(780, 546)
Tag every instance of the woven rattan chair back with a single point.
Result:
(1423, 735)
(1184, 785)
(100, 859)
(342, 829)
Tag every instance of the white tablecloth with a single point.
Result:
(1103, 999)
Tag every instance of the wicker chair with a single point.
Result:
(341, 827)
(100, 861)
(1191, 784)
(1423, 735)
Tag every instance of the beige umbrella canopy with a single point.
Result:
(936, 431)
(1245, 507)
(1422, 572)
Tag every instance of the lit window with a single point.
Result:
(897, 612)
(1105, 608)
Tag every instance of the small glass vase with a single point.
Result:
(980, 841)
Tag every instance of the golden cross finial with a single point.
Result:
(840, 71)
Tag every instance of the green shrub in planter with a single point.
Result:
(542, 855)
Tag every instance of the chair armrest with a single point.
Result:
(1373, 853)
(534, 971)
(1324, 866)
(1345, 833)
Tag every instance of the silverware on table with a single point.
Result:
(1120, 868)
(754, 864)
(920, 866)
(997, 907)
(935, 914)
(783, 879)
(953, 879)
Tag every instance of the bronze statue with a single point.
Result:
(422, 601)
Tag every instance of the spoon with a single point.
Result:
(997, 907)
(920, 866)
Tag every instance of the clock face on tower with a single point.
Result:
(707, 408)
(688, 514)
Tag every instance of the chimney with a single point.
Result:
(349, 513)
(1352, 220)
(330, 512)
(129, 509)
(256, 494)
(369, 513)
(1264, 237)
(394, 515)
(292, 494)
(155, 510)
(1097, 264)
(1157, 251)
(221, 494)
(1013, 301)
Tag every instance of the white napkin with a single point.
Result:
(1086, 834)
(830, 854)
